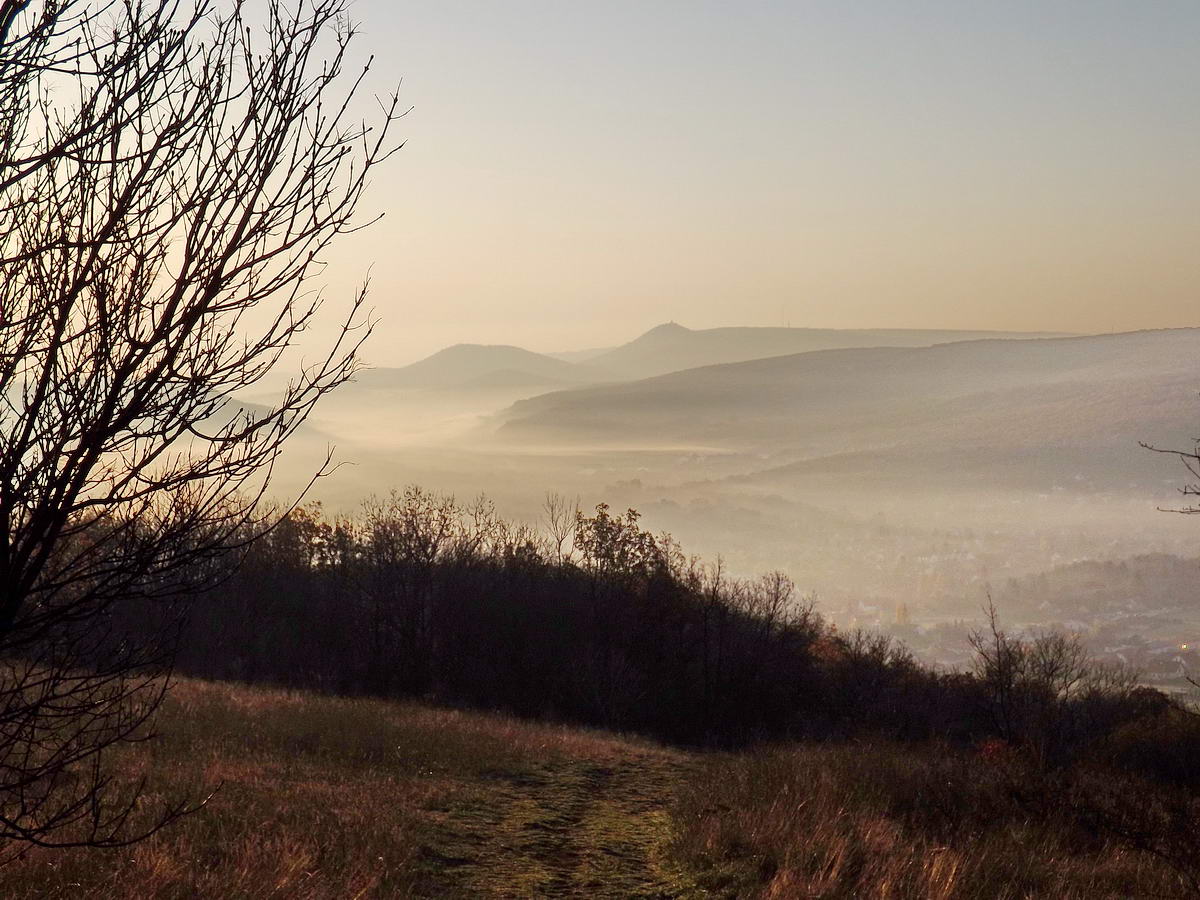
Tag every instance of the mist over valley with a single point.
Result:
(899, 476)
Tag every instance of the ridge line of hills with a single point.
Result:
(663, 349)
(968, 409)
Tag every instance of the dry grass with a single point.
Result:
(322, 797)
(890, 822)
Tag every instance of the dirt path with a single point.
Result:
(590, 827)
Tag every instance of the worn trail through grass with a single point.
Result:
(590, 826)
(324, 798)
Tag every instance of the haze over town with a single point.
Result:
(592, 198)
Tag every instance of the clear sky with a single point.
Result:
(576, 173)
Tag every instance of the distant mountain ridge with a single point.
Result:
(904, 411)
(671, 347)
(483, 365)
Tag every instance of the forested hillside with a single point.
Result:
(1034, 752)
(596, 621)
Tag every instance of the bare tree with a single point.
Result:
(1000, 664)
(559, 516)
(169, 178)
(1045, 690)
(1191, 462)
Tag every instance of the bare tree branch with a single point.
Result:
(170, 178)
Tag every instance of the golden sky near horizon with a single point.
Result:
(575, 174)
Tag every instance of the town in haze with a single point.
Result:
(901, 477)
(524, 449)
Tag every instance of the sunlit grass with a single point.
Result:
(314, 797)
(322, 797)
(863, 820)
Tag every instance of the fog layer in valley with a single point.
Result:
(899, 475)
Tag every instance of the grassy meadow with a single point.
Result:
(321, 797)
(878, 820)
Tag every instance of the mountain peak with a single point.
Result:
(477, 349)
(667, 329)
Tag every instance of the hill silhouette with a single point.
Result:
(465, 365)
(671, 347)
(1045, 409)
(666, 348)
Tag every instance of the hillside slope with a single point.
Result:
(671, 347)
(465, 365)
(320, 798)
(317, 798)
(1057, 402)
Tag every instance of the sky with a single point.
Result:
(577, 173)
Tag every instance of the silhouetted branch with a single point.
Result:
(170, 177)
(1191, 462)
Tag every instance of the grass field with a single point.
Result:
(885, 821)
(320, 797)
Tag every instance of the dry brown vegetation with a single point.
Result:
(321, 797)
(881, 820)
(324, 797)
